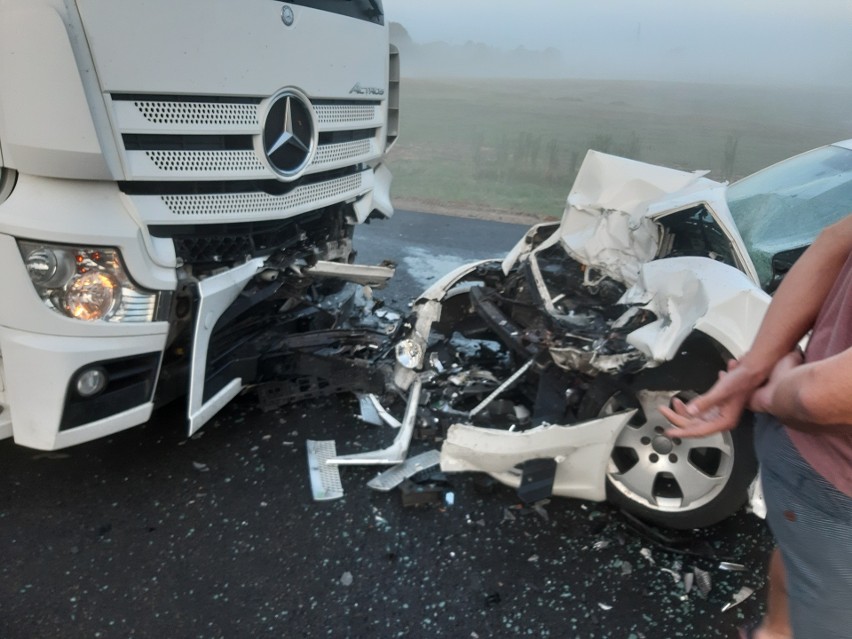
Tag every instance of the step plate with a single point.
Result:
(325, 478)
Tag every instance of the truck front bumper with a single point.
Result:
(43, 407)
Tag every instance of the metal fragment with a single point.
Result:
(369, 414)
(393, 477)
(646, 553)
(386, 417)
(731, 566)
(365, 274)
(397, 451)
(502, 387)
(742, 594)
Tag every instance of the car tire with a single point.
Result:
(675, 483)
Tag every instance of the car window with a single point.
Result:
(786, 205)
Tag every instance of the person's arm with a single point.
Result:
(797, 302)
(791, 314)
(809, 396)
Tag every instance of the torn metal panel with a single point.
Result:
(383, 415)
(376, 276)
(440, 289)
(581, 452)
(606, 223)
(695, 293)
(394, 476)
(497, 391)
(397, 451)
(591, 362)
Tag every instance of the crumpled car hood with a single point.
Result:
(609, 219)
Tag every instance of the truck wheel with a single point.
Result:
(678, 483)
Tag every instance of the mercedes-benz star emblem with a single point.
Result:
(289, 136)
(287, 15)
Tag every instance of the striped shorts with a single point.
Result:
(812, 523)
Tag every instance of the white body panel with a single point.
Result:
(580, 450)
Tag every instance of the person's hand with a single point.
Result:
(717, 410)
(761, 399)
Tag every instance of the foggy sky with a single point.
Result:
(756, 41)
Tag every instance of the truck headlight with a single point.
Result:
(86, 283)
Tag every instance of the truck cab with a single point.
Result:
(156, 160)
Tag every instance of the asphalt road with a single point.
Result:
(151, 534)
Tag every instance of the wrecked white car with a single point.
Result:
(547, 369)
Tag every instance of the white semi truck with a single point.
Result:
(157, 160)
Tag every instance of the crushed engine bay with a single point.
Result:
(545, 370)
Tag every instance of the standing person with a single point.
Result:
(803, 438)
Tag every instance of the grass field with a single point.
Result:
(515, 145)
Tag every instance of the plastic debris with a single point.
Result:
(688, 580)
(674, 573)
(742, 594)
(626, 568)
(604, 606)
(431, 489)
(702, 581)
(202, 468)
(538, 509)
(369, 414)
(393, 477)
(346, 579)
(646, 553)
(600, 545)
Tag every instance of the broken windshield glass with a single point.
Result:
(786, 205)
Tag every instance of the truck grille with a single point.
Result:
(195, 156)
(223, 125)
(242, 203)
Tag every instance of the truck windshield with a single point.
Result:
(369, 10)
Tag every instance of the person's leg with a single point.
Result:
(776, 623)
(812, 524)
